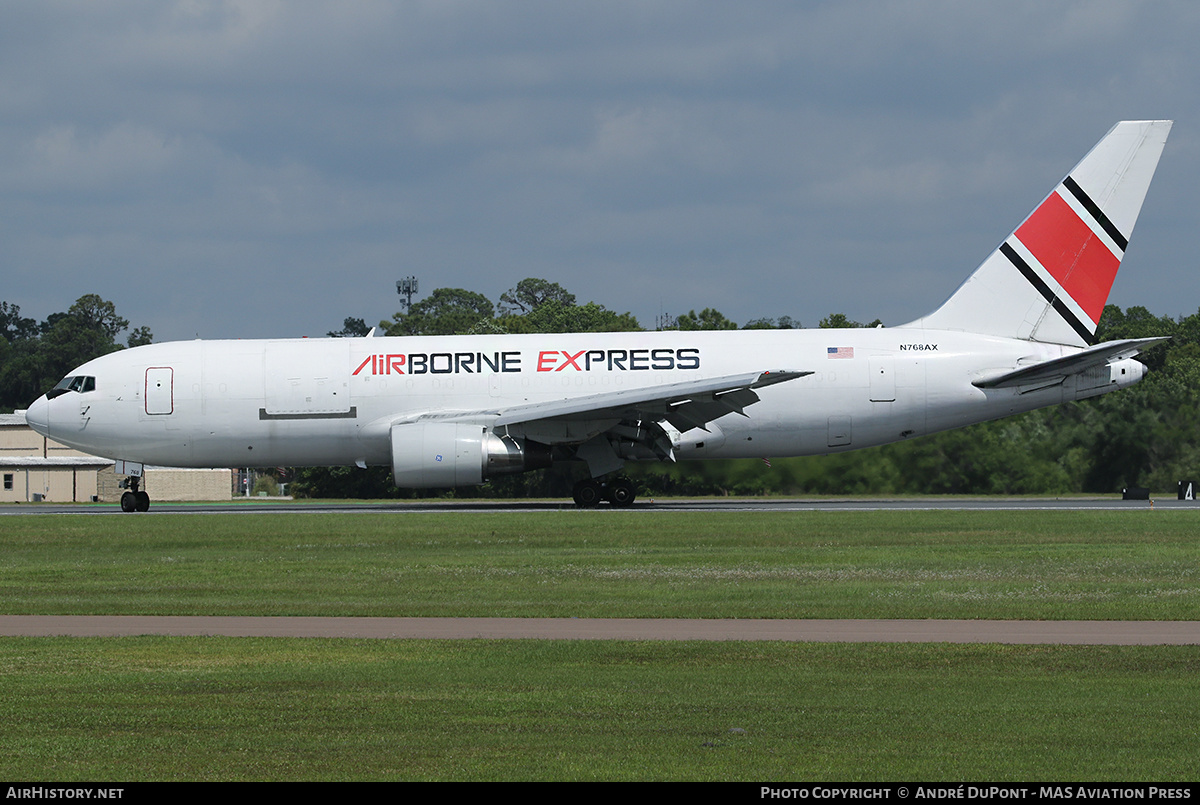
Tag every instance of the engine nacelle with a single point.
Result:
(438, 454)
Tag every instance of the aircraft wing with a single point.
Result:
(687, 405)
(1058, 368)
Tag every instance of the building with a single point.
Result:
(34, 468)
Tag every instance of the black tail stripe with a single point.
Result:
(1047, 294)
(1088, 337)
(1097, 213)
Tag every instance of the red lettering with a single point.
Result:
(571, 361)
(361, 366)
(546, 361)
(395, 362)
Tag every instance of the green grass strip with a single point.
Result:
(289, 709)
(934, 564)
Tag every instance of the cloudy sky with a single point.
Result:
(253, 169)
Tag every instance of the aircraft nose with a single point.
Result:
(38, 415)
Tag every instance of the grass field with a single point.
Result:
(246, 708)
(214, 708)
(904, 564)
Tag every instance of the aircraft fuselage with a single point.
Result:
(334, 401)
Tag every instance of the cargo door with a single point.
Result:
(307, 379)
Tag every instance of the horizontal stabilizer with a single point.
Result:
(1056, 369)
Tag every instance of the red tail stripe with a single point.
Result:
(1074, 255)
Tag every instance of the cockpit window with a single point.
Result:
(80, 383)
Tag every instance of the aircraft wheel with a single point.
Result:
(128, 502)
(588, 494)
(141, 501)
(622, 493)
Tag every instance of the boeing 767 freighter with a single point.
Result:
(447, 411)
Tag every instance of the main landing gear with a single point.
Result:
(135, 500)
(619, 492)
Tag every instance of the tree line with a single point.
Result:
(1147, 435)
(36, 355)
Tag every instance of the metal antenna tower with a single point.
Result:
(406, 288)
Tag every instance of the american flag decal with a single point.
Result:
(840, 352)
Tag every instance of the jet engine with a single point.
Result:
(436, 454)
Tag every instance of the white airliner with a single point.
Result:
(449, 411)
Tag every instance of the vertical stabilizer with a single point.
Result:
(1049, 280)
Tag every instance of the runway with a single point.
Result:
(643, 505)
(1107, 633)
